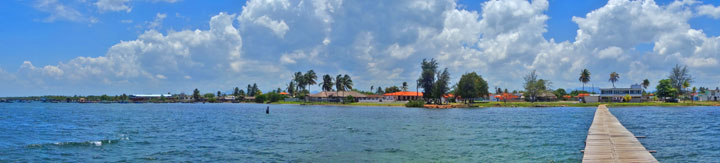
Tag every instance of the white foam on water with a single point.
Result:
(96, 143)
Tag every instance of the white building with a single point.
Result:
(709, 95)
(617, 94)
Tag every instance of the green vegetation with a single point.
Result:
(379, 91)
(274, 97)
(299, 79)
(260, 98)
(252, 90)
(404, 86)
(309, 79)
(665, 89)
(627, 97)
(433, 88)
(427, 77)
(196, 95)
(392, 89)
(327, 83)
(471, 86)
(291, 88)
(584, 77)
(209, 95)
(347, 82)
(441, 85)
(534, 86)
(415, 103)
(560, 93)
(349, 99)
(614, 77)
(680, 78)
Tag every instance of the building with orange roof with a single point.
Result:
(581, 95)
(404, 96)
(506, 97)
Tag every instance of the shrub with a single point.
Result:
(627, 98)
(275, 97)
(415, 103)
(260, 98)
(349, 99)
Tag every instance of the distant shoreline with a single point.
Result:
(474, 105)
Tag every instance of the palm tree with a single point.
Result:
(310, 78)
(692, 98)
(405, 86)
(327, 83)
(685, 85)
(299, 81)
(339, 84)
(614, 76)
(347, 82)
(291, 88)
(645, 83)
(584, 77)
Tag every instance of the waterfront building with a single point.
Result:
(404, 96)
(509, 97)
(709, 95)
(335, 96)
(374, 98)
(617, 94)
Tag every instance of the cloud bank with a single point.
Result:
(380, 43)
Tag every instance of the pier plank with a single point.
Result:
(609, 141)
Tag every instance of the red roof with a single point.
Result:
(404, 94)
(506, 95)
(284, 93)
(583, 95)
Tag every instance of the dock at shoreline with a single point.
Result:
(609, 141)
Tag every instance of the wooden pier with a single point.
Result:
(610, 141)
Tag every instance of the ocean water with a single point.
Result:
(40, 132)
(678, 134)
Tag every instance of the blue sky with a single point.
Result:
(148, 46)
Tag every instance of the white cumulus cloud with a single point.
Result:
(381, 43)
(113, 5)
(709, 10)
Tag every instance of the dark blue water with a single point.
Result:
(679, 134)
(292, 133)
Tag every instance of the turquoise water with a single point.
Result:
(292, 133)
